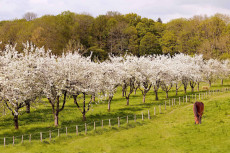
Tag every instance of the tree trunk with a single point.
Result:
(27, 107)
(156, 95)
(144, 98)
(56, 119)
(210, 83)
(135, 91)
(84, 112)
(109, 102)
(185, 89)
(127, 103)
(167, 94)
(192, 89)
(176, 90)
(16, 122)
(222, 81)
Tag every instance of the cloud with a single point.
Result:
(165, 9)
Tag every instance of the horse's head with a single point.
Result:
(197, 121)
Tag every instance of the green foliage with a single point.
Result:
(149, 45)
(116, 33)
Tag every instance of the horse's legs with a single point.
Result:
(199, 119)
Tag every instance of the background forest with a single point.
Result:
(119, 34)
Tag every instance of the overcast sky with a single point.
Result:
(165, 9)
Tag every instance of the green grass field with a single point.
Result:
(171, 131)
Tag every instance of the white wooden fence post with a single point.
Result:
(30, 139)
(41, 136)
(165, 105)
(159, 109)
(85, 129)
(13, 140)
(148, 115)
(50, 134)
(142, 116)
(76, 130)
(66, 130)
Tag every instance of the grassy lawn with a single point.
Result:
(171, 131)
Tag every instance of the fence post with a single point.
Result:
(76, 130)
(186, 98)
(22, 139)
(165, 105)
(148, 115)
(85, 128)
(118, 121)
(195, 97)
(58, 133)
(199, 96)
(172, 102)
(142, 116)
(66, 130)
(159, 109)
(41, 136)
(135, 117)
(102, 124)
(154, 111)
(50, 134)
(30, 138)
(109, 123)
(179, 100)
(94, 125)
(127, 119)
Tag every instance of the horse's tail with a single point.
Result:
(195, 110)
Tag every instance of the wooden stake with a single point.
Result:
(41, 136)
(118, 121)
(85, 129)
(142, 116)
(50, 134)
(148, 115)
(58, 133)
(66, 130)
(30, 139)
(22, 138)
(76, 130)
(109, 123)
(13, 140)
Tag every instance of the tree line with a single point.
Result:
(33, 73)
(119, 34)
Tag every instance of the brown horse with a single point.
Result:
(198, 109)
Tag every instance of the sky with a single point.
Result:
(165, 9)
